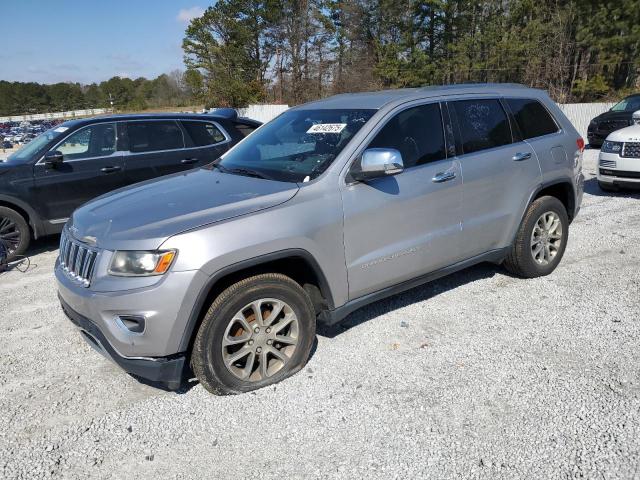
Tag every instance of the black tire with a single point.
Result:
(607, 187)
(14, 232)
(207, 355)
(520, 260)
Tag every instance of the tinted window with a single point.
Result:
(203, 133)
(417, 133)
(483, 124)
(93, 141)
(153, 136)
(629, 104)
(532, 118)
(244, 129)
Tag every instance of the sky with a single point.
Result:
(89, 41)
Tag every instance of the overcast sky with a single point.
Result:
(92, 40)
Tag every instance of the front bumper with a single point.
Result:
(618, 171)
(167, 370)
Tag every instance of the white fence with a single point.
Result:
(56, 115)
(262, 113)
(581, 114)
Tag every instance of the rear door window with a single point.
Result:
(417, 133)
(203, 133)
(150, 136)
(532, 117)
(483, 124)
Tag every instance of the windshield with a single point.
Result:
(629, 104)
(26, 153)
(296, 145)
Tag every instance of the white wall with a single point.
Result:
(262, 113)
(56, 115)
(581, 114)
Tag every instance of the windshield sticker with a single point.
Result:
(327, 128)
(61, 129)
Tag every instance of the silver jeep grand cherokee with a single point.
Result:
(223, 271)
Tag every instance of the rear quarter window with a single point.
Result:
(203, 133)
(532, 117)
(244, 129)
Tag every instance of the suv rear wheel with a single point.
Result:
(541, 239)
(259, 331)
(14, 233)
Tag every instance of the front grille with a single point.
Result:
(77, 260)
(631, 150)
(611, 125)
(608, 163)
(620, 173)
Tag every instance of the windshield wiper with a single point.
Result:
(243, 171)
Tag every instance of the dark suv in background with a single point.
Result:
(45, 181)
(619, 116)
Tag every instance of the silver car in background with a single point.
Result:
(224, 271)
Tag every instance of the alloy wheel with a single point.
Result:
(546, 238)
(9, 234)
(260, 339)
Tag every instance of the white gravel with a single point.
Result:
(478, 375)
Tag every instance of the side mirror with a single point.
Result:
(636, 117)
(53, 159)
(378, 162)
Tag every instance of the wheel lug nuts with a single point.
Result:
(250, 342)
(256, 330)
(258, 350)
(269, 342)
(268, 330)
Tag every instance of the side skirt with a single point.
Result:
(331, 317)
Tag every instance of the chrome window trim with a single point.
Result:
(41, 160)
(123, 153)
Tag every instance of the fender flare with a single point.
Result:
(194, 319)
(33, 218)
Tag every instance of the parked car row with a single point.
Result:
(223, 272)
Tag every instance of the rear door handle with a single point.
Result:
(520, 156)
(110, 169)
(443, 177)
(188, 161)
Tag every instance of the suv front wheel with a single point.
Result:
(258, 331)
(541, 239)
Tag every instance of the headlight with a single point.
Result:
(611, 147)
(141, 264)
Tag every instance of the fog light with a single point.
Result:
(132, 323)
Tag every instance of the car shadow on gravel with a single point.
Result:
(415, 295)
(592, 188)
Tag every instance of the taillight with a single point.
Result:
(580, 143)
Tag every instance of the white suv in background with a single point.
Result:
(619, 163)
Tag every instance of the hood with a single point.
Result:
(628, 134)
(143, 216)
(609, 115)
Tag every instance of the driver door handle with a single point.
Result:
(443, 177)
(188, 161)
(520, 156)
(111, 169)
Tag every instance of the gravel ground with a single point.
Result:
(478, 375)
